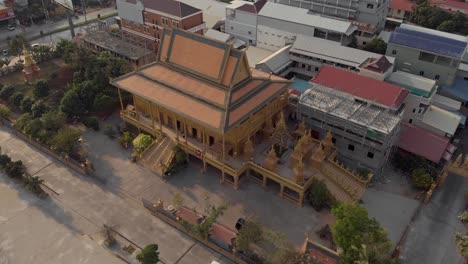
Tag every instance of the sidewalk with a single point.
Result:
(35, 30)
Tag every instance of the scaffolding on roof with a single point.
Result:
(120, 42)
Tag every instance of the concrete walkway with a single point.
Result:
(84, 204)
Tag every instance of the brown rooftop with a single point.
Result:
(205, 80)
(170, 7)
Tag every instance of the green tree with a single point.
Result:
(53, 120)
(462, 245)
(91, 122)
(149, 254)
(17, 44)
(447, 26)
(250, 233)
(421, 179)
(4, 112)
(72, 105)
(41, 89)
(15, 169)
(103, 102)
(6, 92)
(33, 127)
(38, 108)
(33, 184)
(22, 121)
(65, 49)
(66, 140)
(319, 195)
(4, 160)
(354, 230)
(376, 45)
(126, 139)
(15, 99)
(142, 142)
(26, 104)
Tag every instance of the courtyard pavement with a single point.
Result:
(81, 207)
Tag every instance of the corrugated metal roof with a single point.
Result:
(171, 7)
(446, 103)
(435, 32)
(413, 83)
(218, 35)
(441, 119)
(452, 46)
(422, 142)
(301, 16)
(276, 61)
(362, 87)
(332, 51)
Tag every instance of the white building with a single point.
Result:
(279, 25)
(241, 20)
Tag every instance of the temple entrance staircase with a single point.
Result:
(344, 186)
(159, 155)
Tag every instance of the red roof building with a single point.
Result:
(222, 234)
(401, 9)
(451, 6)
(363, 88)
(424, 143)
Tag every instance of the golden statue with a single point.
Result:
(271, 160)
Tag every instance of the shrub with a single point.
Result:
(22, 121)
(15, 169)
(4, 160)
(4, 112)
(125, 139)
(33, 127)
(142, 142)
(66, 140)
(53, 121)
(6, 92)
(319, 195)
(103, 103)
(15, 99)
(109, 131)
(421, 179)
(41, 89)
(26, 104)
(91, 122)
(38, 108)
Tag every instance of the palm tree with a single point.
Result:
(462, 245)
(33, 184)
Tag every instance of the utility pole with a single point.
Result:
(70, 23)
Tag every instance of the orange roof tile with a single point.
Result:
(175, 101)
(230, 70)
(254, 101)
(197, 56)
(189, 215)
(222, 233)
(186, 84)
(244, 90)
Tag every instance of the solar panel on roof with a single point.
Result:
(428, 42)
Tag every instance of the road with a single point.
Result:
(35, 30)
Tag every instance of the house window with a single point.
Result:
(364, 43)
(399, 11)
(146, 29)
(437, 77)
(175, 23)
(370, 6)
(393, 52)
(419, 111)
(165, 21)
(414, 110)
(370, 155)
(351, 147)
(250, 41)
(410, 121)
(155, 22)
(250, 32)
(421, 73)
(232, 28)
(334, 140)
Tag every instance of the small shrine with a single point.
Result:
(281, 136)
(30, 68)
(248, 150)
(327, 143)
(298, 171)
(318, 157)
(271, 160)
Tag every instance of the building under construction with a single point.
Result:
(104, 36)
(363, 115)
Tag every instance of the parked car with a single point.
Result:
(5, 52)
(11, 27)
(240, 223)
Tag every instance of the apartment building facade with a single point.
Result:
(429, 53)
(362, 113)
(373, 12)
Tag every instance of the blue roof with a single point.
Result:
(459, 89)
(428, 42)
(301, 85)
